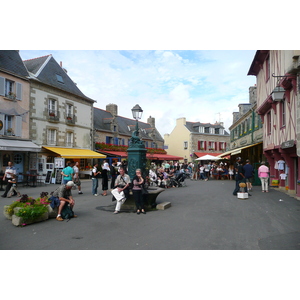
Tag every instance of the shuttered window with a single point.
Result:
(19, 91)
(2, 86)
(18, 126)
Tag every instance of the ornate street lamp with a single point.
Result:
(278, 93)
(136, 150)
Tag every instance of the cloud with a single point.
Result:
(167, 84)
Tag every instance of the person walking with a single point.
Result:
(13, 190)
(105, 170)
(138, 182)
(95, 183)
(76, 178)
(263, 174)
(248, 169)
(10, 171)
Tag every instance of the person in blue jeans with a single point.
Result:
(95, 182)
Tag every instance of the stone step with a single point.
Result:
(163, 205)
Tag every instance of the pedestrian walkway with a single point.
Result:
(203, 215)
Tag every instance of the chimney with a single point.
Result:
(151, 121)
(112, 108)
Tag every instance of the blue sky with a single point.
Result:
(204, 86)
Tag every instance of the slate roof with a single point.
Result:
(45, 69)
(11, 62)
(100, 122)
(194, 127)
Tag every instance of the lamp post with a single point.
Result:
(136, 150)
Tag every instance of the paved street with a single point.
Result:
(203, 215)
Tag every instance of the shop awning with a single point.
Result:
(148, 155)
(18, 145)
(75, 153)
(238, 150)
(200, 154)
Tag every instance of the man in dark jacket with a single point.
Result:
(239, 176)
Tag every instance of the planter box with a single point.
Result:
(18, 221)
(6, 214)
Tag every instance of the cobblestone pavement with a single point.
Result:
(204, 216)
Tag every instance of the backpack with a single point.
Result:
(67, 212)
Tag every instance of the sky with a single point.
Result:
(201, 85)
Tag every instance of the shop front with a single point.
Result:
(22, 153)
(53, 159)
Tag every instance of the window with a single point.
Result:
(206, 130)
(269, 123)
(212, 130)
(59, 78)
(185, 145)
(217, 130)
(201, 129)
(9, 87)
(52, 107)
(69, 139)
(69, 110)
(201, 145)
(51, 137)
(211, 145)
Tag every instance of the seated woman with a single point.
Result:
(225, 174)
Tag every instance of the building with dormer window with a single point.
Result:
(195, 139)
(61, 117)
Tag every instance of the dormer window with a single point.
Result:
(59, 78)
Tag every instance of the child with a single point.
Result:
(13, 190)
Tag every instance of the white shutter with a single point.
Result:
(2, 116)
(18, 126)
(19, 91)
(2, 86)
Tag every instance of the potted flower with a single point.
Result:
(27, 210)
(11, 95)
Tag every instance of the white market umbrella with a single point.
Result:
(208, 157)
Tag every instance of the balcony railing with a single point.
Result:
(70, 119)
(53, 115)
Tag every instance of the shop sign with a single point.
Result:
(287, 144)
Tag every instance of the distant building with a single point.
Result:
(246, 132)
(113, 133)
(194, 139)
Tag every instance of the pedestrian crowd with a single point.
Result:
(168, 174)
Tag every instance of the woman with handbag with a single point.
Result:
(138, 182)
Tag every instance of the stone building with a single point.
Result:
(61, 117)
(112, 134)
(194, 139)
